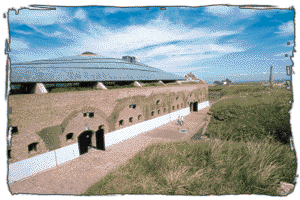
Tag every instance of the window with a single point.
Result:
(178, 106)
(32, 147)
(157, 102)
(173, 107)
(84, 114)
(130, 119)
(177, 98)
(132, 106)
(139, 117)
(121, 122)
(190, 95)
(9, 154)
(14, 130)
(165, 110)
(152, 113)
(91, 115)
(181, 105)
(158, 112)
(69, 136)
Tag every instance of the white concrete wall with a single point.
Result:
(28, 167)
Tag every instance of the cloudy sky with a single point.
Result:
(214, 42)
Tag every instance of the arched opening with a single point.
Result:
(84, 141)
(152, 113)
(139, 117)
(157, 102)
(131, 119)
(69, 136)
(32, 147)
(100, 138)
(195, 108)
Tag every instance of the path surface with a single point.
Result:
(76, 176)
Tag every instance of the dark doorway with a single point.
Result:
(100, 139)
(195, 106)
(84, 141)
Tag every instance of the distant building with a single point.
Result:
(191, 76)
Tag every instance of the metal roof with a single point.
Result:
(85, 68)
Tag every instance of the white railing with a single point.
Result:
(30, 166)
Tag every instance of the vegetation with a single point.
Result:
(152, 84)
(251, 114)
(204, 167)
(247, 152)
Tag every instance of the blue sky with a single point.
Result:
(214, 42)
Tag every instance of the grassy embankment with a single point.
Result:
(251, 156)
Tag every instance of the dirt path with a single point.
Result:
(77, 175)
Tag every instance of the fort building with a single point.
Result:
(60, 108)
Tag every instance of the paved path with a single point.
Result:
(76, 176)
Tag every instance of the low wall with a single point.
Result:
(28, 167)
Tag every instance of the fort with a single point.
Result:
(48, 128)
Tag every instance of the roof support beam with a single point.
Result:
(137, 84)
(101, 86)
(40, 88)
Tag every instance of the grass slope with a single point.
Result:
(204, 167)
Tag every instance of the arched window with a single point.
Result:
(130, 119)
(121, 122)
(69, 136)
(157, 102)
(32, 147)
(139, 117)
(181, 105)
(165, 110)
(173, 107)
(158, 112)
(152, 113)
(178, 106)
(177, 98)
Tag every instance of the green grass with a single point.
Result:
(204, 167)
(198, 134)
(152, 84)
(252, 115)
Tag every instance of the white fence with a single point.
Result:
(28, 167)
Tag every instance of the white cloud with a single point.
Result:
(80, 14)
(17, 44)
(40, 17)
(286, 28)
(232, 11)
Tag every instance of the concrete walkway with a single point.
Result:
(76, 176)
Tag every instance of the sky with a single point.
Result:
(213, 42)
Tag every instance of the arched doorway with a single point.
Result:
(195, 107)
(100, 138)
(84, 141)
